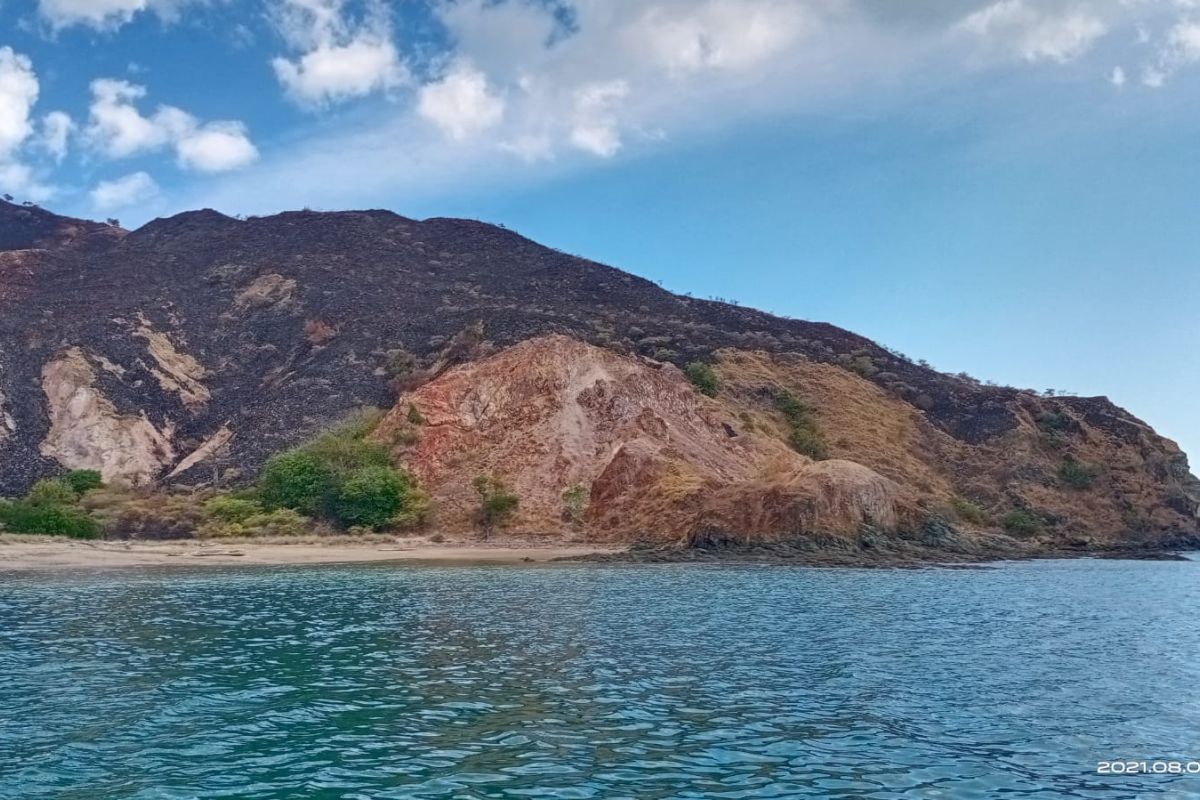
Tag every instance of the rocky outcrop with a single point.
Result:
(175, 371)
(1079, 474)
(87, 431)
(654, 458)
(657, 461)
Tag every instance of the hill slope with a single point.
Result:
(194, 347)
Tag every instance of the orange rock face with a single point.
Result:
(654, 459)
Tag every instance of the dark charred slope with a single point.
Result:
(291, 317)
(27, 227)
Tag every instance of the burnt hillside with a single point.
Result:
(260, 331)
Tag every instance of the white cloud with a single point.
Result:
(95, 13)
(1179, 47)
(540, 87)
(722, 34)
(20, 180)
(18, 93)
(1184, 39)
(1117, 77)
(461, 104)
(341, 59)
(119, 130)
(132, 189)
(1036, 32)
(595, 128)
(57, 127)
(216, 147)
(103, 14)
(332, 73)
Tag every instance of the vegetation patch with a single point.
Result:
(1021, 522)
(1077, 475)
(804, 433)
(1054, 422)
(343, 477)
(497, 503)
(575, 503)
(703, 377)
(968, 511)
(51, 507)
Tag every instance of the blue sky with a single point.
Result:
(1005, 187)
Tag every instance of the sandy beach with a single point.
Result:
(25, 553)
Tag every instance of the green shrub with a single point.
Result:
(804, 434)
(575, 502)
(52, 492)
(864, 365)
(1054, 421)
(968, 511)
(1076, 475)
(1021, 522)
(83, 480)
(232, 509)
(496, 502)
(280, 522)
(24, 516)
(400, 363)
(414, 415)
(297, 479)
(703, 378)
(370, 497)
(343, 476)
(808, 442)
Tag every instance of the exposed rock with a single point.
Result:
(1020, 468)
(8, 425)
(210, 447)
(176, 372)
(86, 432)
(266, 291)
(655, 457)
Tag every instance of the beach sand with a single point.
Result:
(25, 553)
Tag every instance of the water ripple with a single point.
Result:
(599, 682)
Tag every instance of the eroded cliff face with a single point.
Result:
(655, 459)
(1084, 472)
(658, 461)
(87, 431)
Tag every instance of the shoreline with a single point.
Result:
(33, 554)
(30, 553)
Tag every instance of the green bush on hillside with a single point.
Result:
(1021, 522)
(83, 480)
(370, 497)
(968, 511)
(804, 433)
(296, 479)
(703, 377)
(575, 503)
(232, 509)
(341, 476)
(23, 516)
(496, 502)
(1077, 475)
(52, 492)
(279, 522)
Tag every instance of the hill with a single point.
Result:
(191, 349)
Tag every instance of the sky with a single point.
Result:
(1003, 187)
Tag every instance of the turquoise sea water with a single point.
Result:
(595, 681)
